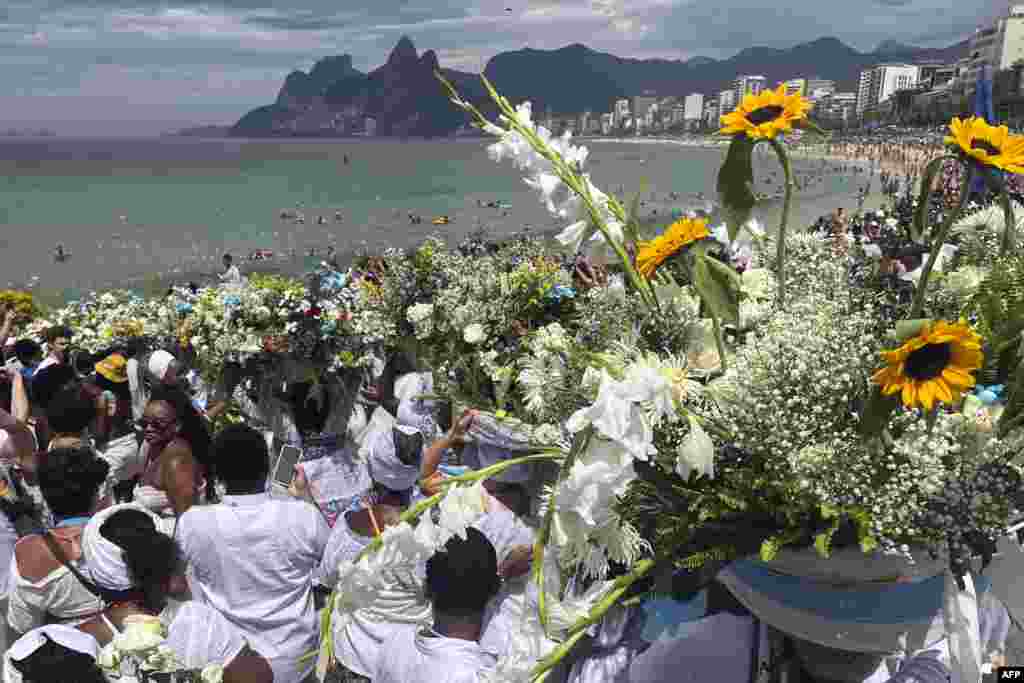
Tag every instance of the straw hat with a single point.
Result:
(113, 368)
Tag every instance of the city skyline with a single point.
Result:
(85, 67)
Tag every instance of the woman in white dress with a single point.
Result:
(126, 555)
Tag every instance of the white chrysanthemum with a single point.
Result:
(990, 219)
(417, 313)
(474, 334)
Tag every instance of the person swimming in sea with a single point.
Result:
(59, 255)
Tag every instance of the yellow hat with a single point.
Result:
(114, 368)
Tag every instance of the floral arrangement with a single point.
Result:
(23, 304)
(140, 650)
(828, 419)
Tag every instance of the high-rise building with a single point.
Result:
(726, 101)
(621, 110)
(693, 107)
(796, 86)
(711, 114)
(996, 47)
(642, 105)
(607, 122)
(748, 85)
(879, 82)
(819, 87)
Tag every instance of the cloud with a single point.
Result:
(223, 57)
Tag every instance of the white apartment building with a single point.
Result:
(997, 46)
(748, 85)
(796, 86)
(607, 122)
(693, 107)
(726, 101)
(878, 83)
(621, 110)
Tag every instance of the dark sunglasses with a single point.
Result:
(147, 423)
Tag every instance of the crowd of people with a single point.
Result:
(119, 499)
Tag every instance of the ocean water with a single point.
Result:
(130, 210)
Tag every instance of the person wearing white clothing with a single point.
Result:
(462, 578)
(253, 559)
(231, 274)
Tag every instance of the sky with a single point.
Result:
(137, 67)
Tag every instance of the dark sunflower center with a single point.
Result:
(984, 145)
(764, 114)
(928, 361)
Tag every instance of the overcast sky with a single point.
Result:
(138, 67)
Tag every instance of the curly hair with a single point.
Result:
(70, 411)
(70, 479)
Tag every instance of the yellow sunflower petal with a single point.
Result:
(909, 394)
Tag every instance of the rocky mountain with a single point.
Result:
(404, 98)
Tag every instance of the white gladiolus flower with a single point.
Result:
(964, 280)
(695, 453)
(563, 615)
(462, 506)
(617, 418)
(474, 334)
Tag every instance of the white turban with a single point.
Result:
(67, 636)
(104, 560)
(159, 362)
(383, 464)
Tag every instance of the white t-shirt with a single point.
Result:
(253, 560)
(416, 655)
(232, 276)
(200, 635)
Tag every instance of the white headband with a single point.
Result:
(105, 560)
(69, 637)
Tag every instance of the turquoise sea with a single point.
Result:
(128, 210)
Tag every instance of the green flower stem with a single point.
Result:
(719, 344)
(411, 514)
(597, 612)
(780, 257)
(566, 174)
(938, 241)
(927, 180)
(1010, 231)
(537, 567)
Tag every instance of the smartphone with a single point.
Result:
(284, 469)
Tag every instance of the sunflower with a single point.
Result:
(765, 115)
(936, 364)
(684, 231)
(988, 145)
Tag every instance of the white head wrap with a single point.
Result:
(415, 412)
(105, 560)
(383, 464)
(69, 637)
(159, 362)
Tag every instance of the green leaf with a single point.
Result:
(769, 549)
(868, 543)
(717, 284)
(875, 415)
(905, 329)
(736, 183)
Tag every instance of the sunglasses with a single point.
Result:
(149, 423)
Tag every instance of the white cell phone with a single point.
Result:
(284, 469)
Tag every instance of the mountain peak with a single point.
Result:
(404, 51)
(429, 58)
